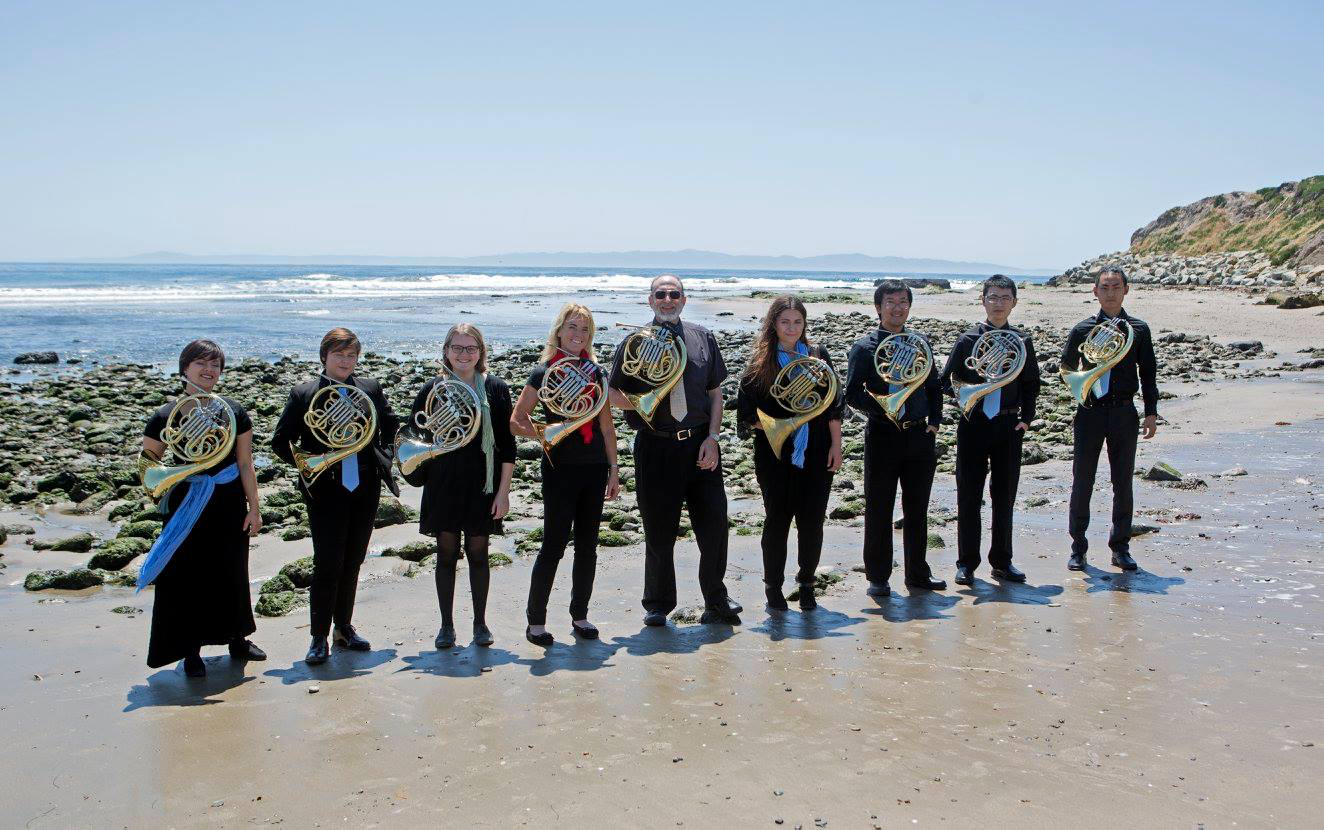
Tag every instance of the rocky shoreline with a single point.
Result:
(1246, 269)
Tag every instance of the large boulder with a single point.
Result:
(299, 572)
(78, 543)
(37, 358)
(392, 512)
(71, 580)
(116, 553)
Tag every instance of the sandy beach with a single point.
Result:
(1185, 694)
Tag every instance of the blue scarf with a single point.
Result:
(801, 440)
(177, 529)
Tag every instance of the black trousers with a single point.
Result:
(1118, 427)
(986, 449)
(667, 479)
(341, 524)
(895, 456)
(572, 497)
(792, 494)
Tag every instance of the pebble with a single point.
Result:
(312, 690)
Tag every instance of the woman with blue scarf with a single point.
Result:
(199, 564)
(795, 486)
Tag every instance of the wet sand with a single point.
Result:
(1187, 693)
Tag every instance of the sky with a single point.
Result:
(1033, 134)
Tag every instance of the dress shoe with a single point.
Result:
(966, 576)
(807, 601)
(194, 667)
(346, 637)
(445, 637)
(1076, 562)
(776, 601)
(733, 606)
(879, 589)
(1124, 561)
(483, 635)
(719, 614)
(588, 630)
(929, 584)
(246, 650)
(1011, 573)
(544, 639)
(317, 652)
(655, 618)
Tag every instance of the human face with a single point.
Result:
(998, 303)
(463, 354)
(790, 328)
(340, 363)
(894, 311)
(1110, 290)
(204, 372)
(667, 308)
(575, 334)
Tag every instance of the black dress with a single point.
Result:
(202, 595)
(453, 498)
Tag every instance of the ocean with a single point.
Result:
(146, 313)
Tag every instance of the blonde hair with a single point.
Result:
(468, 330)
(554, 336)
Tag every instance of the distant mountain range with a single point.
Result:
(686, 259)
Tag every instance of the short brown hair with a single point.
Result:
(200, 350)
(339, 338)
(468, 330)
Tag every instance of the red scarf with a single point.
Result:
(585, 430)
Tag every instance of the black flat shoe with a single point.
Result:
(733, 606)
(966, 576)
(246, 650)
(929, 584)
(445, 637)
(807, 600)
(317, 652)
(719, 615)
(544, 639)
(655, 618)
(346, 637)
(1011, 573)
(194, 667)
(776, 601)
(1076, 562)
(879, 589)
(588, 631)
(1124, 561)
(483, 635)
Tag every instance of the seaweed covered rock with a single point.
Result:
(116, 553)
(71, 580)
(299, 572)
(78, 543)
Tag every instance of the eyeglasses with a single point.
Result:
(464, 349)
(667, 295)
(998, 298)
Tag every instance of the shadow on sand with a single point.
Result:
(171, 687)
(916, 605)
(673, 639)
(1129, 582)
(1017, 593)
(343, 664)
(806, 625)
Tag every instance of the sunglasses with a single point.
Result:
(667, 295)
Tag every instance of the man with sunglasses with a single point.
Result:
(678, 463)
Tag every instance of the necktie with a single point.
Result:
(1101, 385)
(349, 468)
(993, 403)
(676, 400)
(893, 388)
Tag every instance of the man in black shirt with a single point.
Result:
(989, 439)
(678, 463)
(900, 452)
(1110, 417)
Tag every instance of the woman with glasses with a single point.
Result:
(466, 492)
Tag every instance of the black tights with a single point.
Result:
(448, 553)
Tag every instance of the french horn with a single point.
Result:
(199, 433)
(574, 390)
(805, 387)
(901, 360)
(655, 357)
(451, 416)
(998, 357)
(343, 418)
(1105, 346)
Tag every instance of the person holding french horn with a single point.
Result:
(579, 469)
(459, 446)
(790, 397)
(337, 431)
(197, 461)
(994, 375)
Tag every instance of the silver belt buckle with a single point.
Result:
(683, 434)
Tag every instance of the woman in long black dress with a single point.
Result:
(795, 486)
(578, 474)
(202, 594)
(466, 492)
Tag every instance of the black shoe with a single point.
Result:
(807, 601)
(719, 615)
(655, 618)
(733, 606)
(544, 639)
(879, 589)
(929, 584)
(1076, 562)
(588, 630)
(966, 576)
(317, 652)
(194, 667)
(776, 601)
(245, 650)
(445, 637)
(1011, 573)
(1124, 561)
(483, 635)
(346, 637)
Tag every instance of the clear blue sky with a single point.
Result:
(1020, 133)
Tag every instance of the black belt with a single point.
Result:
(678, 435)
(912, 423)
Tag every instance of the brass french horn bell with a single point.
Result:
(902, 360)
(998, 357)
(1104, 346)
(343, 418)
(656, 357)
(199, 433)
(804, 387)
(451, 416)
(574, 390)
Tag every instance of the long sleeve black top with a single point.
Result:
(862, 378)
(753, 397)
(1137, 371)
(1019, 396)
(374, 462)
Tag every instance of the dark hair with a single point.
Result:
(1110, 269)
(763, 365)
(336, 339)
(200, 350)
(886, 287)
(999, 281)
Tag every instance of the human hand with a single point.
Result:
(1149, 427)
(613, 485)
(834, 458)
(500, 505)
(253, 522)
(709, 454)
(1022, 426)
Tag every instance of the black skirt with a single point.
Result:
(453, 498)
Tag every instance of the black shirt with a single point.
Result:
(374, 461)
(572, 449)
(862, 378)
(1018, 396)
(704, 371)
(753, 396)
(1137, 371)
(503, 440)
